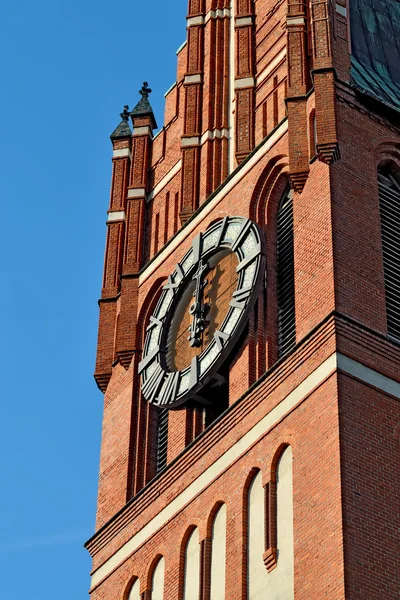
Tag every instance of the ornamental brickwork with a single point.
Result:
(264, 98)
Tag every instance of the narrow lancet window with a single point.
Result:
(285, 275)
(157, 583)
(134, 594)
(162, 439)
(218, 555)
(389, 204)
(191, 583)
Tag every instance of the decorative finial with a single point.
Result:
(125, 113)
(123, 130)
(145, 91)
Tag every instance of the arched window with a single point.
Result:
(285, 275)
(389, 204)
(191, 582)
(257, 574)
(157, 582)
(218, 555)
(134, 594)
(270, 546)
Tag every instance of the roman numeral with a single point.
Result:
(220, 337)
(240, 297)
(171, 285)
(153, 384)
(222, 230)
(154, 323)
(194, 372)
(197, 244)
(242, 234)
(179, 272)
(248, 259)
(169, 391)
(148, 359)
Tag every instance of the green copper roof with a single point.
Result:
(375, 38)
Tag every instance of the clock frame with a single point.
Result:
(170, 389)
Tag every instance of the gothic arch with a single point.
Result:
(134, 581)
(147, 309)
(217, 505)
(187, 570)
(275, 459)
(264, 186)
(155, 563)
(216, 561)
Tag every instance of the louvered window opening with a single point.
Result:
(162, 439)
(389, 203)
(285, 272)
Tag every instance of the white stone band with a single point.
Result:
(116, 215)
(190, 141)
(195, 21)
(145, 130)
(192, 79)
(136, 193)
(295, 21)
(212, 14)
(335, 362)
(243, 21)
(122, 153)
(245, 82)
(214, 134)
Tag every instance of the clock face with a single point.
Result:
(201, 312)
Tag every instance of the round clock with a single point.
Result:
(201, 312)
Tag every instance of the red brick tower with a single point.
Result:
(249, 337)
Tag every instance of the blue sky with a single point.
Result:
(67, 67)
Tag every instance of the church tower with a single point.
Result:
(249, 334)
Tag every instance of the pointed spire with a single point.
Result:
(123, 130)
(143, 107)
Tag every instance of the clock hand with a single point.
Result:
(197, 308)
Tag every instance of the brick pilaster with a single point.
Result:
(134, 237)
(244, 79)
(190, 142)
(298, 86)
(324, 81)
(111, 287)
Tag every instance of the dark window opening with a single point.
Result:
(285, 275)
(162, 439)
(389, 204)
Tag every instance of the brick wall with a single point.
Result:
(317, 134)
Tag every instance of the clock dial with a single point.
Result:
(202, 311)
(219, 282)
